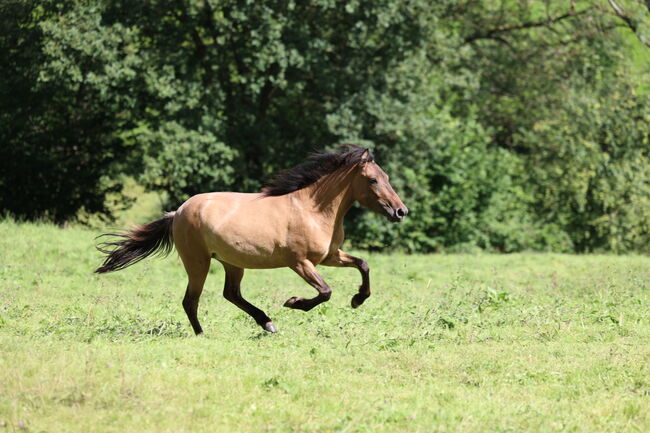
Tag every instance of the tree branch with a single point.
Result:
(492, 33)
(628, 21)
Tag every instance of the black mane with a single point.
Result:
(316, 166)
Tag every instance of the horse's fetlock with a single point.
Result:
(326, 294)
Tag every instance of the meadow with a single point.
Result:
(466, 343)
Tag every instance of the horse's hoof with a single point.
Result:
(268, 326)
(357, 300)
(289, 302)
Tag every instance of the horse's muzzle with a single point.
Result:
(395, 215)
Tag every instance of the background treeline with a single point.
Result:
(505, 125)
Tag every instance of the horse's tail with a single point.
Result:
(136, 244)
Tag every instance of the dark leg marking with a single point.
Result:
(232, 292)
(343, 259)
(307, 271)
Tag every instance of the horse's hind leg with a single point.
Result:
(232, 292)
(197, 267)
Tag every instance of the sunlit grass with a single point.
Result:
(527, 342)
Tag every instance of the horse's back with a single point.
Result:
(245, 230)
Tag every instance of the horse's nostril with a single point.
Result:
(400, 212)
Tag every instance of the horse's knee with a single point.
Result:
(363, 266)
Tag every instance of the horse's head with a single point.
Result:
(372, 190)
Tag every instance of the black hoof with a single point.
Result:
(290, 302)
(268, 326)
(357, 300)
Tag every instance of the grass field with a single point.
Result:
(467, 343)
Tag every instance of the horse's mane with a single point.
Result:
(316, 166)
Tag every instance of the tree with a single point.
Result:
(480, 110)
(58, 143)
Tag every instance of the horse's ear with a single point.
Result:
(367, 156)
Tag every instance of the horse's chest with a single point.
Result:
(314, 238)
(337, 240)
(325, 246)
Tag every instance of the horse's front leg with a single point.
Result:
(307, 271)
(343, 259)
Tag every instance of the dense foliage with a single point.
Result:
(505, 125)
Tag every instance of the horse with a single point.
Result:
(295, 221)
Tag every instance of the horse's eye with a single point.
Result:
(372, 180)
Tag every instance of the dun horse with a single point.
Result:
(296, 221)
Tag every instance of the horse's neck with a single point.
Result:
(332, 196)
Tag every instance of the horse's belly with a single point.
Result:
(248, 254)
(247, 237)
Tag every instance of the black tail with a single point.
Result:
(136, 244)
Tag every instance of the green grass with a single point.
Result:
(467, 343)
